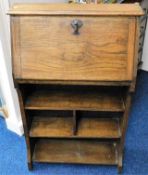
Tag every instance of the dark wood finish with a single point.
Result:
(55, 82)
(74, 100)
(75, 151)
(74, 122)
(92, 69)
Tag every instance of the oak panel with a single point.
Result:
(50, 50)
(15, 46)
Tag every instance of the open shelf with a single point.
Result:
(51, 127)
(99, 128)
(95, 99)
(57, 126)
(75, 151)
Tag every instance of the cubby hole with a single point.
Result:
(74, 124)
(74, 111)
(81, 98)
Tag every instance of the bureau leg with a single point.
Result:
(120, 169)
(25, 124)
(123, 130)
(120, 162)
(30, 166)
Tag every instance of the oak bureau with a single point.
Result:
(74, 68)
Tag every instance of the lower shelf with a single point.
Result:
(75, 151)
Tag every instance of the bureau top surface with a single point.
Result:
(76, 9)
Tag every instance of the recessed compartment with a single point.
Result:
(52, 124)
(63, 124)
(99, 128)
(94, 98)
(75, 151)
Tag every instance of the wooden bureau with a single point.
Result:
(74, 68)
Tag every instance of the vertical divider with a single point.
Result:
(74, 122)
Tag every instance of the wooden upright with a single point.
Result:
(74, 68)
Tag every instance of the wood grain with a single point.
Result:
(75, 151)
(76, 9)
(131, 48)
(137, 35)
(61, 55)
(15, 46)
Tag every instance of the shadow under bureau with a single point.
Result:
(74, 68)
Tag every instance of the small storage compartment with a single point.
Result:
(51, 124)
(74, 111)
(96, 127)
(64, 124)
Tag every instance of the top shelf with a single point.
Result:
(76, 9)
(91, 99)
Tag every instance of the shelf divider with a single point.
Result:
(74, 122)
